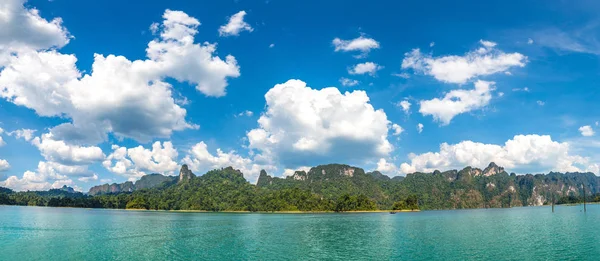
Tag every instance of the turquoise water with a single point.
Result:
(532, 233)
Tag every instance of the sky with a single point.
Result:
(95, 92)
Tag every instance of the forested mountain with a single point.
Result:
(333, 187)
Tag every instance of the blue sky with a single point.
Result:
(507, 81)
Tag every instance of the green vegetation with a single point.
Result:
(332, 187)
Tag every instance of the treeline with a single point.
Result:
(332, 187)
(572, 199)
(217, 190)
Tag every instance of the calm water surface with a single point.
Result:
(532, 233)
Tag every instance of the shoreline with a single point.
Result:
(235, 211)
(271, 212)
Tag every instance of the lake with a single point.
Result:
(529, 233)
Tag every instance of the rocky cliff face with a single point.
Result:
(67, 189)
(145, 182)
(264, 179)
(127, 186)
(492, 169)
(185, 174)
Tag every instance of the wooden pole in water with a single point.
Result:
(552, 203)
(584, 206)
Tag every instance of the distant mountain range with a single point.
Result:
(145, 182)
(332, 187)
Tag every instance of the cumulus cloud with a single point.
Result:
(26, 134)
(458, 101)
(61, 152)
(387, 168)
(405, 105)
(235, 25)
(128, 98)
(289, 172)
(365, 68)
(586, 131)
(25, 28)
(136, 162)
(485, 60)
(246, 113)
(31, 182)
(348, 82)
(2, 143)
(4, 165)
(361, 44)
(522, 153)
(88, 179)
(48, 175)
(303, 126)
(200, 160)
(420, 127)
(397, 129)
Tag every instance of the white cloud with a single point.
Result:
(61, 152)
(432, 44)
(25, 28)
(526, 89)
(154, 27)
(500, 94)
(235, 25)
(303, 126)
(365, 68)
(4, 165)
(271, 45)
(387, 168)
(246, 113)
(459, 69)
(200, 160)
(420, 127)
(361, 44)
(134, 163)
(348, 82)
(397, 129)
(405, 105)
(48, 175)
(458, 101)
(540, 103)
(401, 75)
(31, 182)
(289, 172)
(523, 153)
(88, 179)
(529, 41)
(586, 131)
(26, 134)
(128, 98)
(487, 44)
